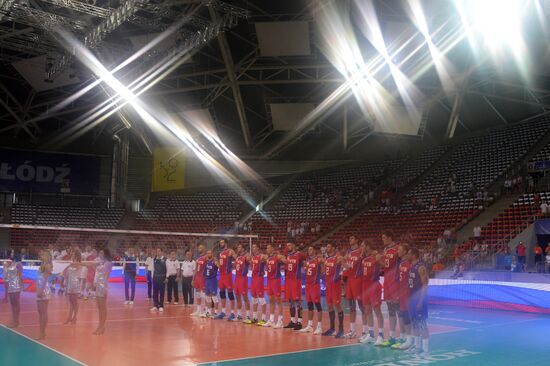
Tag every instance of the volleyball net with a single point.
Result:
(34, 238)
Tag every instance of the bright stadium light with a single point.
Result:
(492, 23)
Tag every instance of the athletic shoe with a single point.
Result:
(231, 317)
(340, 335)
(221, 316)
(267, 325)
(297, 326)
(238, 319)
(261, 323)
(379, 341)
(161, 309)
(290, 325)
(214, 316)
(126, 302)
(367, 339)
(279, 325)
(405, 346)
(175, 303)
(390, 342)
(251, 322)
(318, 331)
(195, 313)
(129, 302)
(396, 345)
(307, 329)
(351, 334)
(203, 315)
(329, 332)
(154, 309)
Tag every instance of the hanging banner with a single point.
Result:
(168, 169)
(30, 171)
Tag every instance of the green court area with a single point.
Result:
(18, 350)
(479, 338)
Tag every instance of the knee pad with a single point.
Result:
(261, 301)
(222, 294)
(231, 295)
(310, 306)
(318, 307)
(215, 299)
(254, 301)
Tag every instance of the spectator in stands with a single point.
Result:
(188, 267)
(536, 199)
(547, 251)
(477, 233)
(544, 209)
(508, 186)
(458, 269)
(520, 252)
(516, 266)
(130, 271)
(539, 264)
(173, 273)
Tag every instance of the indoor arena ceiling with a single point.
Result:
(227, 58)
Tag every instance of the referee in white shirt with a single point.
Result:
(172, 271)
(188, 267)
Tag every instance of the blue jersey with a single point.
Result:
(210, 269)
(415, 282)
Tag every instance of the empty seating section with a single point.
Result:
(542, 155)
(66, 216)
(320, 200)
(480, 160)
(514, 219)
(199, 212)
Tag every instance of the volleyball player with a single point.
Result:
(225, 260)
(293, 285)
(257, 261)
(210, 274)
(242, 263)
(198, 284)
(333, 292)
(354, 282)
(274, 263)
(418, 304)
(390, 263)
(372, 297)
(313, 291)
(406, 338)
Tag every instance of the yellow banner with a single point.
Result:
(168, 169)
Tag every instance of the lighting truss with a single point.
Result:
(81, 7)
(96, 35)
(41, 19)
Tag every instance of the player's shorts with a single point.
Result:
(257, 287)
(293, 289)
(241, 285)
(211, 286)
(226, 282)
(274, 287)
(313, 293)
(333, 293)
(404, 300)
(416, 314)
(198, 283)
(354, 288)
(372, 293)
(391, 290)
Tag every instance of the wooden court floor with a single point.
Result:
(134, 335)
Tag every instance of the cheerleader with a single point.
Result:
(72, 285)
(43, 291)
(101, 284)
(13, 275)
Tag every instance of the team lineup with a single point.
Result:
(356, 273)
